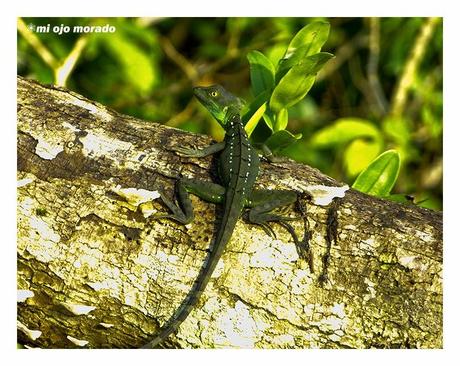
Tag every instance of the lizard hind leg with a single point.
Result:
(263, 202)
(183, 211)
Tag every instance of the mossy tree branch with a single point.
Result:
(95, 269)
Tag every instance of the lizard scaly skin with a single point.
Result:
(238, 170)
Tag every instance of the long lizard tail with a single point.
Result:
(225, 231)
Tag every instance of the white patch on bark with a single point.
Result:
(48, 150)
(78, 342)
(239, 327)
(274, 254)
(110, 281)
(219, 269)
(23, 295)
(24, 182)
(407, 261)
(330, 319)
(136, 196)
(309, 309)
(410, 261)
(339, 310)
(301, 282)
(102, 145)
(147, 209)
(70, 127)
(365, 246)
(284, 340)
(426, 237)
(321, 195)
(164, 257)
(91, 259)
(32, 334)
(370, 290)
(103, 285)
(42, 241)
(78, 309)
(106, 325)
(98, 111)
(346, 212)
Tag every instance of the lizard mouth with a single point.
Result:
(202, 95)
(199, 94)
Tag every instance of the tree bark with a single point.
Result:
(96, 269)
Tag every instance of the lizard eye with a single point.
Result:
(214, 93)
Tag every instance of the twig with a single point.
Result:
(372, 67)
(182, 116)
(62, 73)
(358, 79)
(234, 35)
(343, 54)
(61, 70)
(37, 45)
(413, 62)
(178, 59)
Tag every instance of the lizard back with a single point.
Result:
(238, 170)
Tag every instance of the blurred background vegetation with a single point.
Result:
(384, 85)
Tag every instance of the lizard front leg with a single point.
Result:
(199, 153)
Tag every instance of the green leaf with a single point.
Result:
(380, 176)
(343, 131)
(276, 52)
(359, 154)
(255, 118)
(281, 139)
(306, 42)
(313, 35)
(249, 109)
(262, 72)
(297, 82)
(397, 129)
(269, 119)
(281, 120)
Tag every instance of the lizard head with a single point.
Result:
(217, 101)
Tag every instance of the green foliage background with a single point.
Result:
(149, 65)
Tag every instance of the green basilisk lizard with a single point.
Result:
(238, 170)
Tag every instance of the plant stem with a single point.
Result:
(372, 66)
(412, 64)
